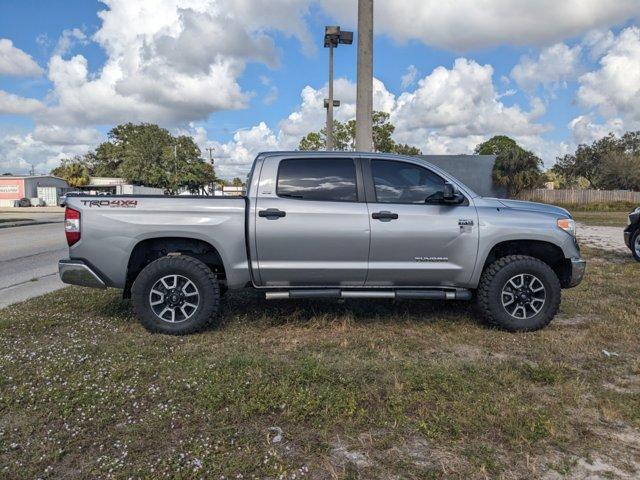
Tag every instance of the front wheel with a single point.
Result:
(176, 295)
(519, 293)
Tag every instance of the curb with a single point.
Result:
(32, 222)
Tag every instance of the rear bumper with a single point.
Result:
(76, 272)
(578, 267)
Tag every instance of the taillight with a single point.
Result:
(72, 225)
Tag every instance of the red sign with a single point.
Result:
(11, 188)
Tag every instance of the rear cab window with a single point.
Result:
(320, 179)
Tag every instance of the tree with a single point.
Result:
(609, 162)
(313, 141)
(146, 154)
(620, 171)
(73, 171)
(496, 145)
(404, 149)
(517, 170)
(237, 182)
(344, 137)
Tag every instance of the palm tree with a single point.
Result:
(517, 170)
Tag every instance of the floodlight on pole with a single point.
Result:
(333, 37)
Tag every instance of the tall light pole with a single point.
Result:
(332, 38)
(364, 93)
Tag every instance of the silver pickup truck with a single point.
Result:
(326, 225)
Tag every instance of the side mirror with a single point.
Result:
(451, 195)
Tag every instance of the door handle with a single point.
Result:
(272, 213)
(384, 215)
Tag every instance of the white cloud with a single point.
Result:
(14, 61)
(19, 151)
(614, 88)
(450, 111)
(554, 67)
(172, 62)
(461, 102)
(57, 135)
(586, 129)
(611, 92)
(409, 78)
(11, 104)
(310, 115)
(471, 24)
(68, 39)
(234, 158)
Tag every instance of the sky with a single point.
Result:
(244, 76)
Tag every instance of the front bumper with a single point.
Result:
(627, 237)
(76, 272)
(578, 267)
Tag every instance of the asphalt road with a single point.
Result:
(29, 261)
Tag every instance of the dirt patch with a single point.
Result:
(606, 238)
(575, 320)
(342, 456)
(629, 384)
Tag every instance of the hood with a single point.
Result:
(527, 206)
(534, 206)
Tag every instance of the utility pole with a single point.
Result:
(332, 38)
(364, 93)
(330, 102)
(211, 185)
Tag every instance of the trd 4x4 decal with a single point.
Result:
(110, 203)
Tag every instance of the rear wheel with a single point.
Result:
(635, 244)
(519, 293)
(176, 295)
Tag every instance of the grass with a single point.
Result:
(604, 218)
(362, 389)
(600, 207)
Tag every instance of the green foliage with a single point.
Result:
(344, 135)
(517, 170)
(404, 149)
(608, 163)
(237, 182)
(74, 171)
(313, 141)
(496, 145)
(146, 154)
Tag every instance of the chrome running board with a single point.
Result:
(400, 294)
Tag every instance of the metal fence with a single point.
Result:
(580, 196)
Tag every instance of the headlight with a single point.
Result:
(568, 225)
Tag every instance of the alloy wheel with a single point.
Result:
(174, 298)
(523, 296)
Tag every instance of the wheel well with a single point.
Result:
(549, 253)
(151, 249)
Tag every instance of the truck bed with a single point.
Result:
(112, 226)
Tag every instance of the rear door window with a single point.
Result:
(324, 179)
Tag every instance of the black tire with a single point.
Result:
(496, 277)
(634, 238)
(206, 286)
